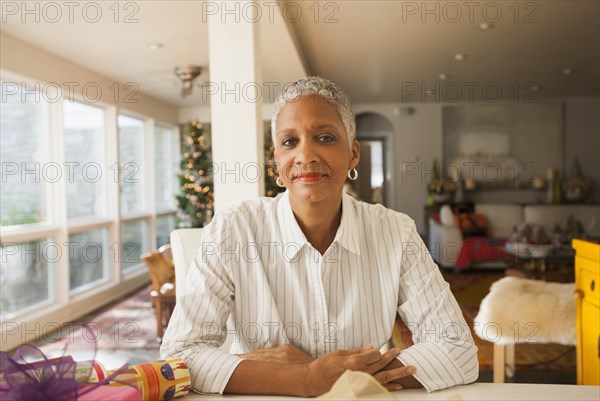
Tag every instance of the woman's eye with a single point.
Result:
(288, 142)
(326, 138)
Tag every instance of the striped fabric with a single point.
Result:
(257, 277)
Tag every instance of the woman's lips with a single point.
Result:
(310, 177)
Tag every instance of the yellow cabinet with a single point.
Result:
(587, 283)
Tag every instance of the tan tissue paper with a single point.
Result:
(354, 385)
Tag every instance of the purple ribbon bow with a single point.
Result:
(46, 379)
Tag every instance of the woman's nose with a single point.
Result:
(307, 153)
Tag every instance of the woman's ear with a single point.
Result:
(355, 148)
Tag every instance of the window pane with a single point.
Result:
(25, 274)
(166, 166)
(23, 127)
(376, 163)
(84, 135)
(131, 151)
(134, 242)
(88, 257)
(164, 225)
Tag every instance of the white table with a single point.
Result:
(475, 392)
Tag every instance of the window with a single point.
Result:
(85, 174)
(164, 225)
(84, 151)
(88, 257)
(166, 166)
(134, 242)
(23, 156)
(167, 157)
(134, 213)
(26, 275)
(131, 155)
(26, 262)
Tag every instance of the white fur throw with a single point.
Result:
(520, 310)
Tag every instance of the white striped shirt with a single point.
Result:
(257, 272)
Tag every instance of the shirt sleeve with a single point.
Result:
(443, 352)
(198, 324)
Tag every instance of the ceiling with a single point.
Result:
(378, 51)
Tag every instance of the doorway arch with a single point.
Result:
(376, 136)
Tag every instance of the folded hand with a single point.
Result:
(323, 372)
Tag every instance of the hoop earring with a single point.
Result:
(280, 185)
(352, 174)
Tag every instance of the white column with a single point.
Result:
(237, 128)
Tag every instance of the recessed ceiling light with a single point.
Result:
(442, 77)
(484, 26)
(567, 71)
(155, 46)
(459, 57)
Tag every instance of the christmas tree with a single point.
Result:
(195, 201)
(271, 188)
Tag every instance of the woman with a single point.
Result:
(310, 281)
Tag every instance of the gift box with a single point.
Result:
(112, 393)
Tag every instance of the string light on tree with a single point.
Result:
(195, 201)
(271, 188)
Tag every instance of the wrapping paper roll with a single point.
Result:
(82, 369)
(158, 381)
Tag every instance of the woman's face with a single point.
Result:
(311, 149)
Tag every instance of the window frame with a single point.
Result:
(57, 227)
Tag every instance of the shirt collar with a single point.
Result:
(291, 233)
(347, 233)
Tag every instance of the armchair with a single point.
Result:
(162, 289)
(446, 240)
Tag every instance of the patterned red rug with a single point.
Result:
(129, 323)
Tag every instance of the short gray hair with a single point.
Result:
(323, 88)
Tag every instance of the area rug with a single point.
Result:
(470, 288)
(129, 323)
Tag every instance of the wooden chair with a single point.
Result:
(162, 289)
(167, 253)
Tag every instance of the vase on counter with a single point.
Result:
(577, 187)
(550, 175)
(557, 192)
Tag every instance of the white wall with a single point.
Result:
(582, 139)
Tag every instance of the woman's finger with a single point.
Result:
(383, 361)
(393, 386)
(389, 356)
(387, 376)
(349, 352)
(370, 356)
